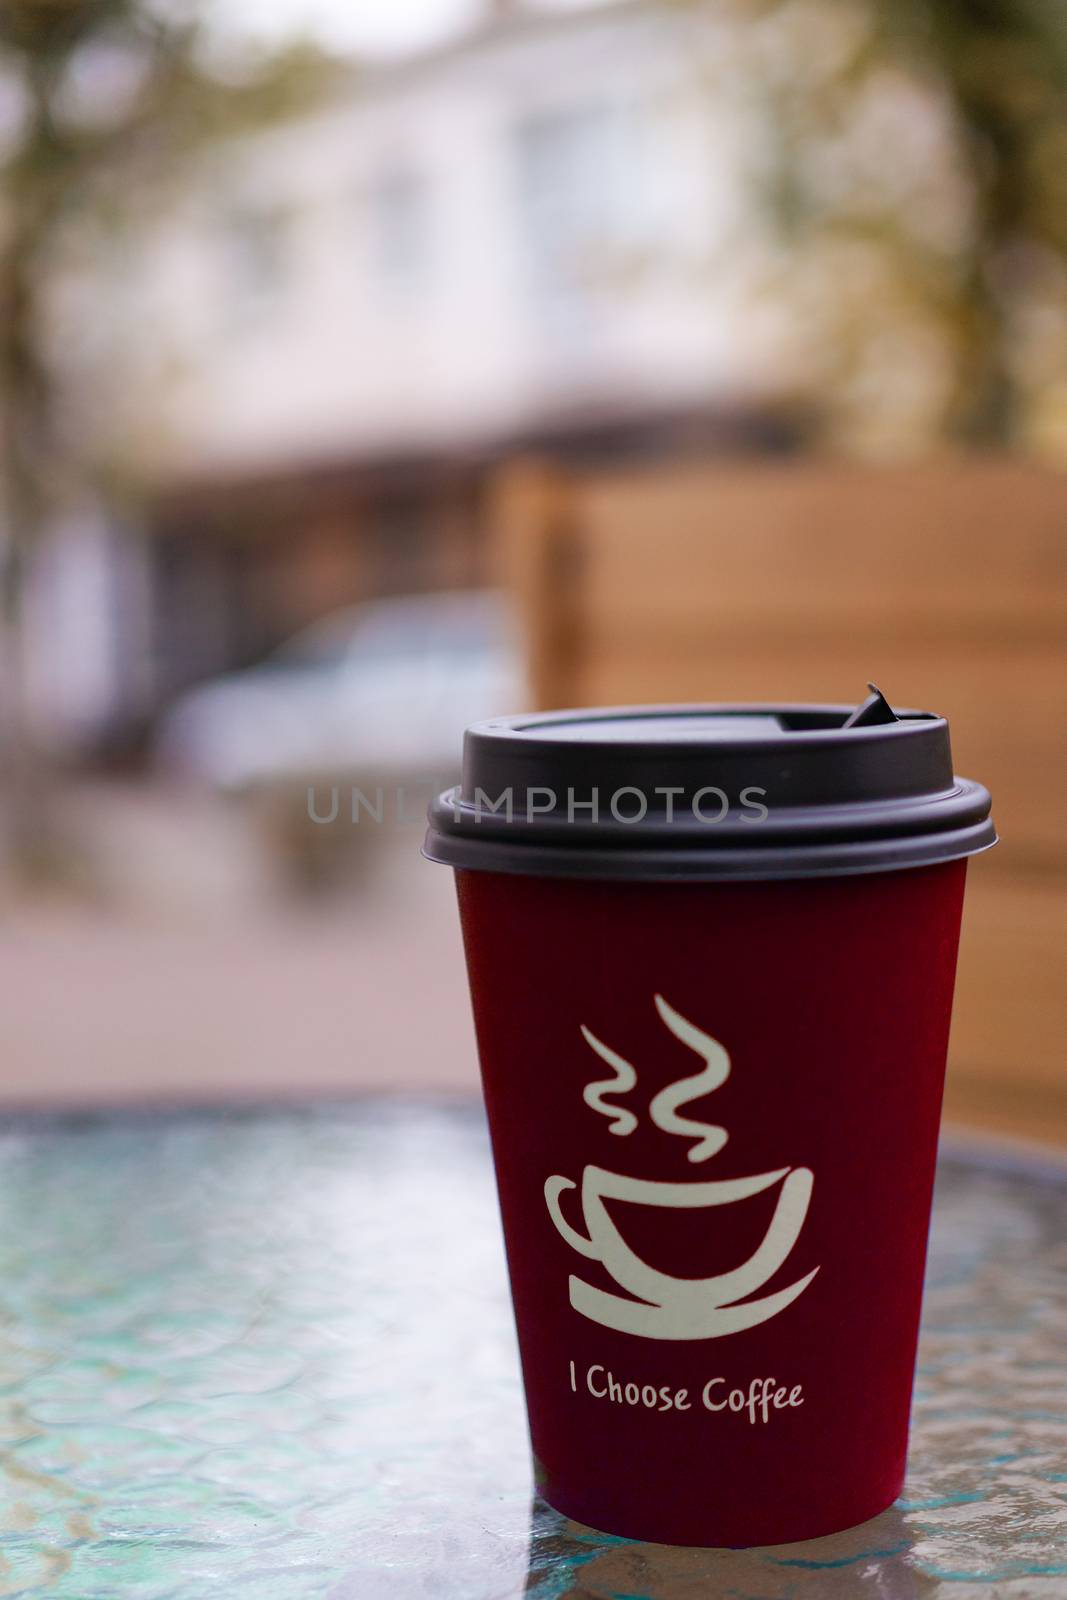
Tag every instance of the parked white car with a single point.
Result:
(380, 689)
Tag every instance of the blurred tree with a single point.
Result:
(103, 103)
(918, 180)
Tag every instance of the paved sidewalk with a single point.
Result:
(197, 981)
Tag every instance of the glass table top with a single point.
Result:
(233, 1361)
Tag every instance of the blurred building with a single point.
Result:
(532, 239)
(532, 221)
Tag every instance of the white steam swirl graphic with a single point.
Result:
(664, 1108)
(623, 1121)
(666, 1104)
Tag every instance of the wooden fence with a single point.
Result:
(945, 584)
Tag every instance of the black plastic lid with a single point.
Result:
(705, 792)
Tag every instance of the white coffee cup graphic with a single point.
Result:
(664, 1306)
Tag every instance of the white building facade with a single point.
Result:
(547, 217)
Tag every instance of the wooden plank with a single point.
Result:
(1005, 1107)
(1008, 1029)
(939, 551)
(535, 548)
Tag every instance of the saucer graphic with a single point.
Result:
(658, 1305)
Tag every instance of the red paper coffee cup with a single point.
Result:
(713, 1054)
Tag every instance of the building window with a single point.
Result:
(578, 181)
(257, 249)
(399, 225)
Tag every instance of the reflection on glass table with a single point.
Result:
(270, 1353)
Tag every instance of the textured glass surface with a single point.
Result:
(270, 1355)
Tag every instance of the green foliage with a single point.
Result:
(995, 73)
(40, 28)
(117, 98)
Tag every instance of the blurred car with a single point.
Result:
(382, 689)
